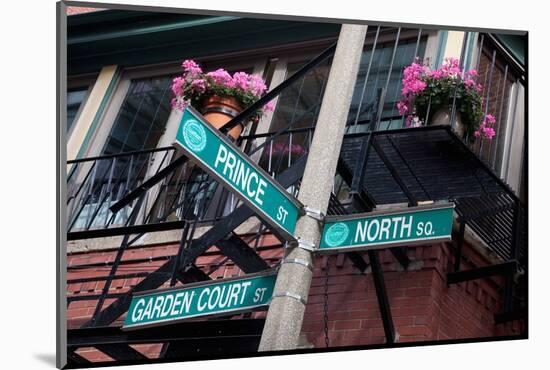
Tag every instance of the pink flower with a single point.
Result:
(402, 106)
(489, 132)
(177, 85)
(221, 77)
(408, 121)
(240, 80)
(490, 119)
(413, 87)
(450, 67)
(179, 104)
(198, 86)
(412, 79)
(194, 83)
(436, 74)
(282, 148)
(269, 107)
(297, 149)
(191, 68)
(485, 130)
(469, 83)
(256, 85)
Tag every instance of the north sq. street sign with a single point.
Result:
(229, 165)
(379, 229)
(219, 297)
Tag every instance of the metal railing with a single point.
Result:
(498, 73)
(94, 183)
(97, 185)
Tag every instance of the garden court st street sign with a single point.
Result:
(416, 225)
(229, 165)
(200, 299)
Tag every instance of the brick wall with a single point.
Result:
(73, 10)
(422, 305)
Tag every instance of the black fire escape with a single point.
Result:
(126, 196)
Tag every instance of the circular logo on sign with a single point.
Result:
(336, 234)
(194, 135)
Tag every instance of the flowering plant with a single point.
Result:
(423, 87)
(282, 150)
(194, 86)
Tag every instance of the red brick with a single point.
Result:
(79, 312)
(403, 321)
(315, 326)
(88, 286)
(420, 320)
(412, 330)
(339, 315)
(347, 325)
(410, 311)
(364, 314)
(418, 292)
(372, 323)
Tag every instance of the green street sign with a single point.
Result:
(409, 226)
(229, 165)
(219, 297)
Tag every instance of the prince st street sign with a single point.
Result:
(408, 226)
(229, 165)
(219, 297)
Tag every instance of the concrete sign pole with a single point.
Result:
(286, 311)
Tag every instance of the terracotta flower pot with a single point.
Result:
(218, 110)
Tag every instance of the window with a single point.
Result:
(142, 117)
(297, 107)
(377, 76)
(297, 104)
(497, 79)
(137, 119)
(78, 90)
(75, 98)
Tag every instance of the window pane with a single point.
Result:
(74, 100)
(297, 104)
(142, 117)
(378, 75)
(297, 107)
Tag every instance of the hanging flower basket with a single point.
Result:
(218, 95)
(429, 95)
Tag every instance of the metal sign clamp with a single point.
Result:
(291, 295)
(304, 244)
(299, 261)
(314, 213)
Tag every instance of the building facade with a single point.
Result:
(187, 228)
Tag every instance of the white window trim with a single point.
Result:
(511, 169)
